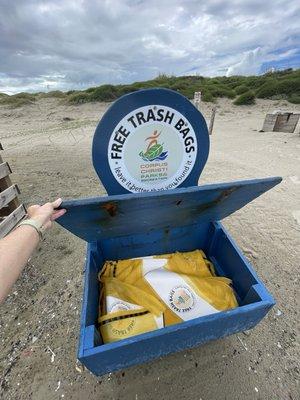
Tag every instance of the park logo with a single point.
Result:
(152, 148)
(181, 299)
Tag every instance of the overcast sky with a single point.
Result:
(62, 44)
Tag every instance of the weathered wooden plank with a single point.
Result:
(5, 182)
(4, 170)
(284, 125)
(269, 122)
(8, 195)
(11, 221)
(268, 128)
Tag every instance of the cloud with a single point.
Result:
(249, 64)
(79, 43)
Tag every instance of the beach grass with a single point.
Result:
(277, 85)
(243, 90)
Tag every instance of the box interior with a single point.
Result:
(210, 237)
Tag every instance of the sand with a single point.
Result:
(39, 323)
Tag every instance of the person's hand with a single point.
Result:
(46, 214)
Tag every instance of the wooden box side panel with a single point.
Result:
(230, 262)
(90, 301)
(160, 241)
(152, 345)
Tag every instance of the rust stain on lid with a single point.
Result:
(111, 208)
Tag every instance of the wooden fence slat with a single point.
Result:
(4, 170)
(11, 221)
(8, 195)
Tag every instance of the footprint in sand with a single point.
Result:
(296, 215)
(295, 179)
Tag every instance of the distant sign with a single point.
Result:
(149, 147)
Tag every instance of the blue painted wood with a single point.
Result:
(254, 299)
(132, 101)
(113, 216)
(162, 240)
(105, 359)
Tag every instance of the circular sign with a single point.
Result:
(152, 148)
(150, 140)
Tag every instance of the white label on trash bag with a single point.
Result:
(113, 304)
(150, 264)
(178, 295)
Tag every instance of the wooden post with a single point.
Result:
(197, 99)
(212, 119)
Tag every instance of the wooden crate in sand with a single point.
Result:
(11, 211)
(281, 122)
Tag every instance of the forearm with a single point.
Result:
(14, 258)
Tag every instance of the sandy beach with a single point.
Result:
(48, 146)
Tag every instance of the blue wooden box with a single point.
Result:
(157, 220)
(124, 226)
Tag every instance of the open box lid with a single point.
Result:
(121, 215)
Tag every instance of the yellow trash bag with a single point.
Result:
(182, 286)
(188, 290)
(126, 310)
(190, 263)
